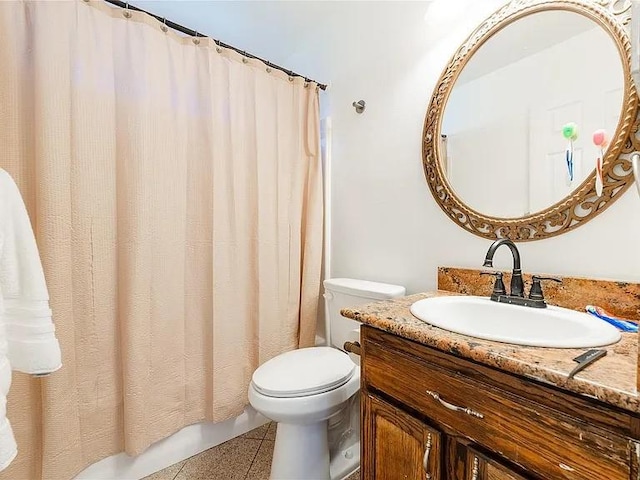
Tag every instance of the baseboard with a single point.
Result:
(187, 442)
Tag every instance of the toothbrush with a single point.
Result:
(635, 162)
(569, 160)
(600, 140)
(599, 177)
(602, 314)
(569, 132)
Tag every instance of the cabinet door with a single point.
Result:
(480, 467)
(397, 446)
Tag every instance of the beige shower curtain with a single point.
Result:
(175, 192)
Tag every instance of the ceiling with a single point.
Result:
(270, 29)
(283, 31)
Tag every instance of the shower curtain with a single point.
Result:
(176, 195)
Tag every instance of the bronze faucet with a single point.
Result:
(516, 295)
(517, 285)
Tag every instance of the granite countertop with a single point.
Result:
(611, 379)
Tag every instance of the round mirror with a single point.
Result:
(503, 122)
(508, 146)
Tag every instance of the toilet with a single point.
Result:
(312, 393)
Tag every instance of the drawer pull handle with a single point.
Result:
(453, 407)
(476, 469)
(353, 347)
(425, 459)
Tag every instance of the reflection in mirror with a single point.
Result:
(502, 124)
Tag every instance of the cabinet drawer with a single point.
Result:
(542, 440)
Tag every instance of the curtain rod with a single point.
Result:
(193, 33)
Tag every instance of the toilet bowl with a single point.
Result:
(312, 393)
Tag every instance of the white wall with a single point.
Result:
(492, 150)
(386, 225)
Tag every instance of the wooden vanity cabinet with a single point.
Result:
(400, 446)
(431, 415)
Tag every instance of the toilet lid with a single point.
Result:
(303, 372)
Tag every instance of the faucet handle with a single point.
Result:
(538, 278)
(536, 288)
(498, 286)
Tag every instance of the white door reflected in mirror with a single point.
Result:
(502, 125)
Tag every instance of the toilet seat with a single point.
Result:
(303, 372)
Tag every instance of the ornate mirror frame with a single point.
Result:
(582, 204)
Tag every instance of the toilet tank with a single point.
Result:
(342, 293)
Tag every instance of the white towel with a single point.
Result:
(32, 345)
(8, 447)
(27, 333)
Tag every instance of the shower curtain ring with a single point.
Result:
(164, 27)
(196, 40)
(126, 12)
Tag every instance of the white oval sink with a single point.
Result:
(535, 327)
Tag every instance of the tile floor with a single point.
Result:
(247, 457)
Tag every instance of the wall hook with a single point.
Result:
(359, 106)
